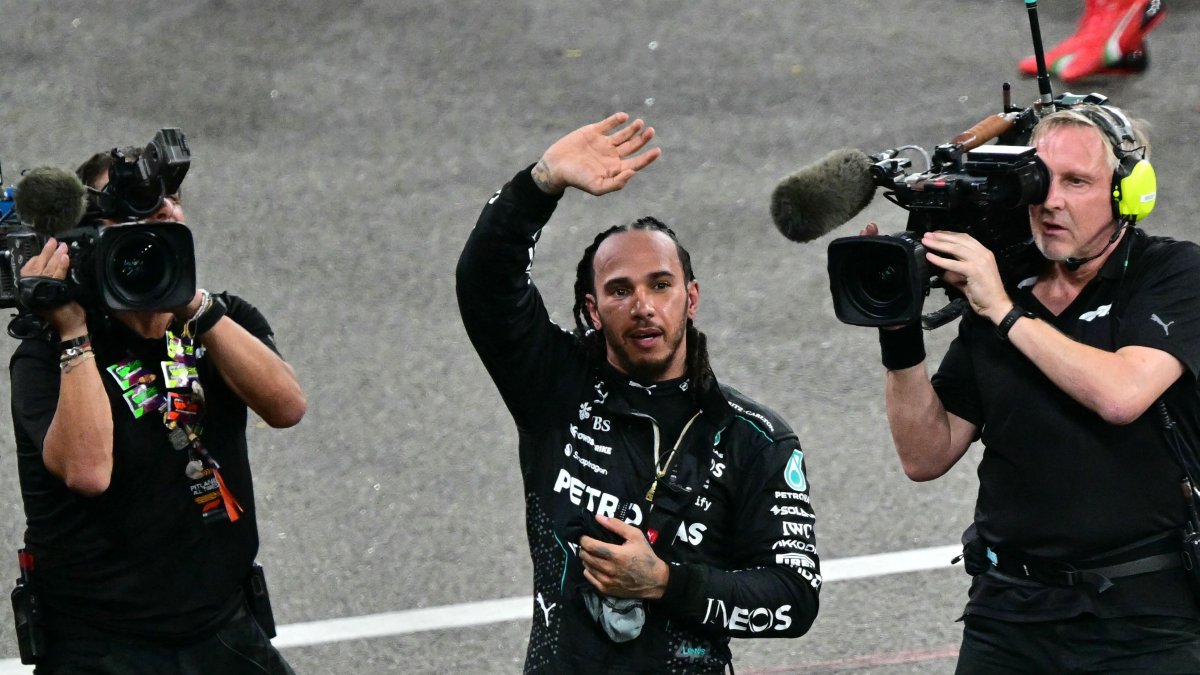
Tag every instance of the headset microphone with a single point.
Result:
(1075, 263)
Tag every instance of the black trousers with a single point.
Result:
(240, 647)
(1140, 644)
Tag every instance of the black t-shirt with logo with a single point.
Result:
(1056, 481)
(138, 561)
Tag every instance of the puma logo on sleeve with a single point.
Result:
(1165, 326)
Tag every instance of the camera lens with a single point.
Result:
(145, 266)
(877, 283)
(141, 265)
(877, 280)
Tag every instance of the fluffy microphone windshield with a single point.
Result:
(820, 197)
(50, 200)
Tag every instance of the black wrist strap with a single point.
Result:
(74, 343)
(902, 348)
(1009, 319)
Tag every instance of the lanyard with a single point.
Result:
(660, 472)
(182, 409)
(185, 408)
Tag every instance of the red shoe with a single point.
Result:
(1091, 20)
(1134, 62)
(1087, 24)
(1109, 40)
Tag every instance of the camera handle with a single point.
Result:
(42, 292)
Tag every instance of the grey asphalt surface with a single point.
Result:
(342, 152)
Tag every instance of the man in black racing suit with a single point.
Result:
(665, 513)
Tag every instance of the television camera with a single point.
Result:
(118, 261)
(967, 185)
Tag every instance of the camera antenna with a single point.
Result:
(1045, 97)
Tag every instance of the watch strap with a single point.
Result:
(1009, 319)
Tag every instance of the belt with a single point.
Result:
(1060, 573)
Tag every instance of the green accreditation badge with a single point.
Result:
(141, 393)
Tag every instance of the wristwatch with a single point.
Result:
(1009, 319)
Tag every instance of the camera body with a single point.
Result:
(883, 280)
(137, 186)
(19, 244)
(132, 266)
(119, 266)
(984, 191)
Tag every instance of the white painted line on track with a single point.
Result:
(409, 621)
(469, 614)
(880, 564)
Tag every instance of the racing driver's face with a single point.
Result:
(642, 303)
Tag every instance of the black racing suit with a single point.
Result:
(731, 517)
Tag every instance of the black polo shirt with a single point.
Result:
(1058, 482)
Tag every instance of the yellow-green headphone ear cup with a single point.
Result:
(1137, 192)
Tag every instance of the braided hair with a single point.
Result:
(585, 284)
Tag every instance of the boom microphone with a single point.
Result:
(50, 200)
(818, 198)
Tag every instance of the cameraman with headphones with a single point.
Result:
(131, 441)
(1075, 549)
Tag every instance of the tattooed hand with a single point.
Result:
(596, 158)
(626, 570)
